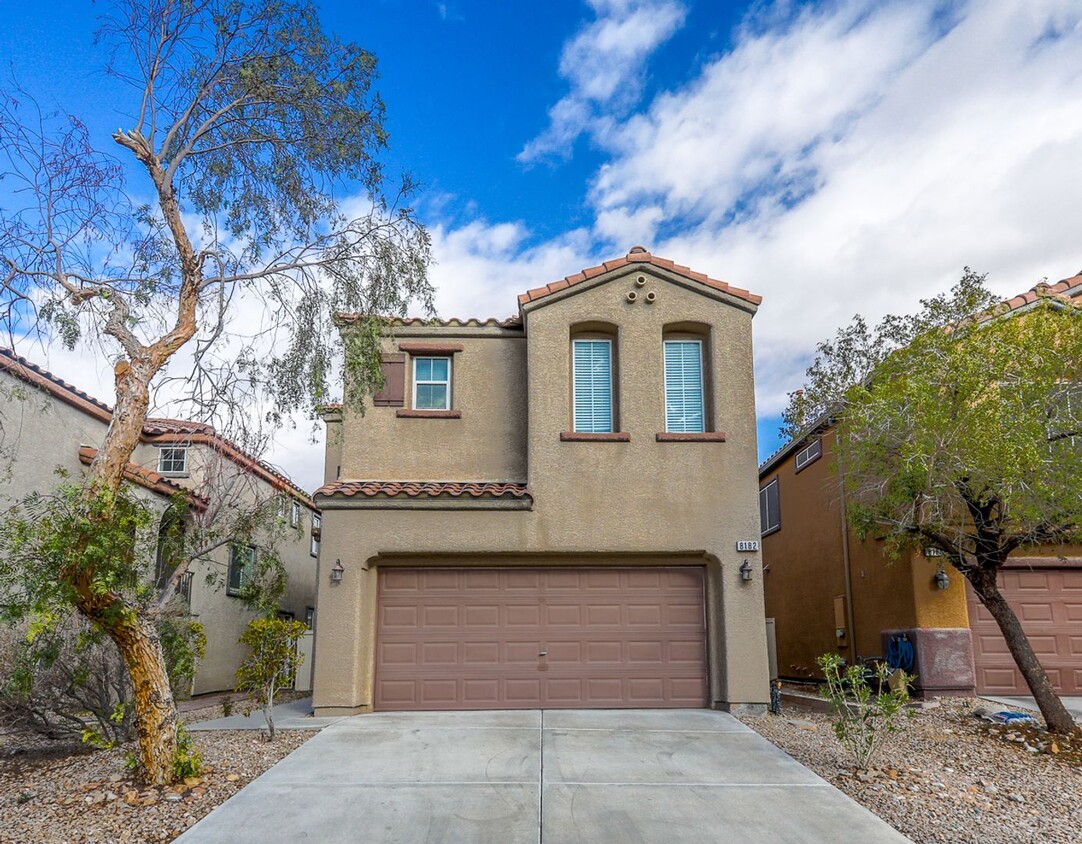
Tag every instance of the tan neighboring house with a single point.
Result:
(545, 511)
(828, 591)
(47, 424)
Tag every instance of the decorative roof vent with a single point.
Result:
(637, 250)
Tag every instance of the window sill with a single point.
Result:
(173, 474)
(706, 437)
(582, 437)
(429, 414)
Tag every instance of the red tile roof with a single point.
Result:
(637, 255)
(511, 322)
(155, 430)
(429, 489)
(1068, 287)
(148, 478)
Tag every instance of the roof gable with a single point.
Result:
(638, 256)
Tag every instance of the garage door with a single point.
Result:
(1048, 602)
(530, 638)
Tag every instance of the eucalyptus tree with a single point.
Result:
(217, 220)
(960, 428)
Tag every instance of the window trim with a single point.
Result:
(234, 550)
(665, 343)
(608, 341)
(173, 473)
(448, 383)
(773, 482)
(817, 443)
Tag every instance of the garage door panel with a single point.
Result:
(613, 638)
(1048, 606)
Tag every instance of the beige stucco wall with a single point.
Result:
(38, 434)
(620, 503)
(486, 443)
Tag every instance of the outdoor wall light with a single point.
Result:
(745, 571)
(336, 571)
(941, 579)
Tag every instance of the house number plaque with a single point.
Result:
(747, 545)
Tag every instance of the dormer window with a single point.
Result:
(432, 383)
(173, 460)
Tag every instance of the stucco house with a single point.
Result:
(829, 591)
(46, 423)
(545, 511)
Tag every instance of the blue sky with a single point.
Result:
(835, 157)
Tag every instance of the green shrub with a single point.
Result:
(865, 716)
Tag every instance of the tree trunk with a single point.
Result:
(1055, 714)
(156, 712)
(131, 630)
(268, 711)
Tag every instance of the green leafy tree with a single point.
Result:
(246, 122)
(272, 663)
(960, 428)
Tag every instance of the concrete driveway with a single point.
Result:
(561, 777)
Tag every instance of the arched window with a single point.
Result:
(170, 547)
(594, 367)
(686, 350)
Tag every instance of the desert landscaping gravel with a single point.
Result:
(949, 776)
(67, 795)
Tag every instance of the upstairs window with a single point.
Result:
(769, 508)
(295, 514)
(173, 460)
(591, 380)
(241, 566)
(431, 383)
(684, 405)
(809, 454)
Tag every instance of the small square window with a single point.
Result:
(173, 460)
(241, 565)
(431, 383)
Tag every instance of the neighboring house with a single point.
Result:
(46, 424)
(545, 511)
(828, 591)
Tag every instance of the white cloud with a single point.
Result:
(849, 158)
(604, 64)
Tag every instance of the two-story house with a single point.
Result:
(47, 424)
(545, 511)
(829, 591)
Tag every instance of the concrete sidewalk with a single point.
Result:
(296, 715)
(645, 776)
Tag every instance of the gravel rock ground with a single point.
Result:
(949, 776)
(67, 795)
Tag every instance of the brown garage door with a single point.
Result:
(1049, 605)
(528, 638)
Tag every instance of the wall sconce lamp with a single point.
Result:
(941, 579)
(745, 571)
(336, 571)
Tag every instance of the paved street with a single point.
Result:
(634, 776)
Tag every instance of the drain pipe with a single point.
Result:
(845, 559)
